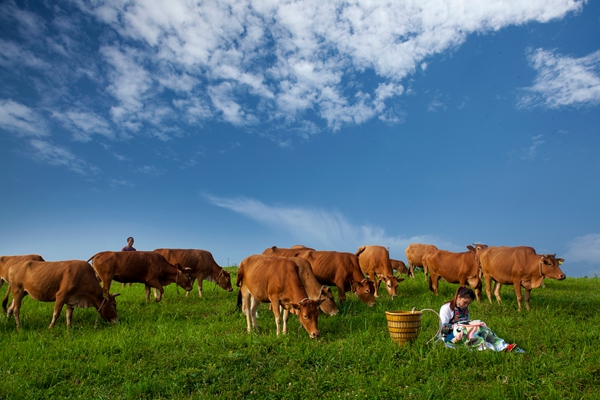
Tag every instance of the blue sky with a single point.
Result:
(233, 126)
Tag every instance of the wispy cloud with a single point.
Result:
(21, 120)
(562, 80)
(52, 154)
(532, 152)
(84, 124)
(584, 249)
(320, 228)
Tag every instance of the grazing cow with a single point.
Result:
(461, 268)
(314, 289)
(415, 254)
(73, 283)
(334, 268)
(145, 267)
(518, 266)
(399, 266)
(275, 280)
(374, 262)
(202, 266)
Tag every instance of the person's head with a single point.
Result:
(463, 297)
(130, 241)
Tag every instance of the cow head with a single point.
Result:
(308, 313)
(224, 280)
(108, 308)
(549, 267)
(365, 290)
(184, 278)
(328, 305)
(391, 284)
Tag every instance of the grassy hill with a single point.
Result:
(198, 348)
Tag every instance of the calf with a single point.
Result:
(202, 266)
(275, 280)
(145, 267)
(398, 265)
(64, 282)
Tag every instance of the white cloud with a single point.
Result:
(13, 55)
(563, 81)
(84, 124)
(47, 152)
(584, 249)
(321, 229)
(297, 56)
(20, 119)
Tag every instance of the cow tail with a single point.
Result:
(5, 299)
(239, 302)
(360, 250)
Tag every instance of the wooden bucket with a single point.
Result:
(404, 326)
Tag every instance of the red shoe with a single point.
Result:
(510, 347)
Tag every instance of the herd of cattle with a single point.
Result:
(295, 279)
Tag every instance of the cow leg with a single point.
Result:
(341, 292)
(275, 306)
(286, 315)
(377, 281)
(497, 287)
(527, 296)
(58, 305)
(518, 292)
(253, 311)
(69, 315)
(16, 306)
(187, 293)
(411, 270)
(199, 287)
(488, 286)
(425, 272)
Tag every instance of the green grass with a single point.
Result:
(198, 348)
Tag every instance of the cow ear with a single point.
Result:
(295, 306)
(560, 260)
(470, 247)
(320, 301)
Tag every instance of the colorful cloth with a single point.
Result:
(474, 335)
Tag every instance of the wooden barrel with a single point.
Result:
(404, 326)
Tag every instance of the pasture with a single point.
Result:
(198, 348)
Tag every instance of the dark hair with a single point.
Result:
(130, 238)
(463, 292)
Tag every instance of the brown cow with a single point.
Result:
(374, 262)
(7, 261)
(314, 288)
(461, 268)
(145, 267)
(415, 254)
(399, 266)
(275, 280)
(202, 266)
(73, 283)
(518, 266)
(334, 268)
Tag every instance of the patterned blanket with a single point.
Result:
(475, 335)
